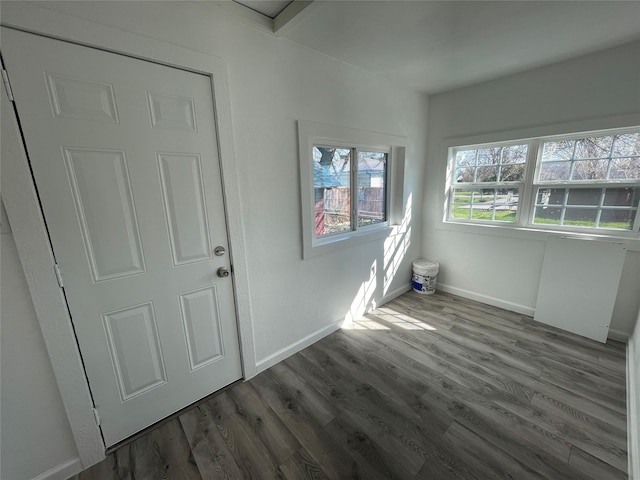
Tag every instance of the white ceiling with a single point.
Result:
(270, 8)
(433, 46)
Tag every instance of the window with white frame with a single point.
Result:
(487, 182)
(350, 188)
(345, 177)
(588, 182)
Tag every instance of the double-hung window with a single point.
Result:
(488, 182)
(346, 185)
(588, 182)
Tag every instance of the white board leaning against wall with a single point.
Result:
(579, 284)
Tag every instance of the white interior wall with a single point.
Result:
(595, 91)
(628, 300)
(633, 397)
(273, 83)
(35, 433)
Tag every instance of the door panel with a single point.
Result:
(125, 159)
(102, 195)
(200, 318)
(183, 194)
(132, 334)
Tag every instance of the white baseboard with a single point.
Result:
(396, 293)
(61, 472)
(312, 338)
(295, 347)
(618, 336)
(633, 415)
(496, 302)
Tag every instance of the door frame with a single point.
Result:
(19, 195)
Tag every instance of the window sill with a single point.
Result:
(334, 243)
(632, 243)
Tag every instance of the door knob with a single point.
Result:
(223, 272)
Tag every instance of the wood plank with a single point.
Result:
(487, 458)
(210, 451)
(468, 407)
(593, 467)
(295, 414)
(375, 462)
(598, 446)
(252, 456)
(433, 387)
(257, 416)
(302, 466)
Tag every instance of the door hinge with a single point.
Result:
(96, 416)
(7, 84)
(56, 268)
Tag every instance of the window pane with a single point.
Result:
(487, 174)
(465, 174)
(625, 168)
(515, 154)
(332, 184)
(482, 204)
(489, 156)
(590, 170)
(554, 171)
(496, 164)
(372, 174)
(548, 215)
(618, 219)
(580, 217)
(558, 151)
(550, 196)
(461, 211)
(487, 204)
(465, 166)
(584, 196)
(591, 158)
(462, 196)
(593, 147)
(461, 207)
(465, 158)
(482, 198)
(576, 215)
(622, 197)
(626, 145)
(512, 173)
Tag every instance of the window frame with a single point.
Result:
(312, 134)
(354, 178)
(522, 184)
(527, 202)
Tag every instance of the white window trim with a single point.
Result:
(524, 217)
(523, 185)
(310, 134)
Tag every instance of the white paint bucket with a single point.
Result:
(425, 276)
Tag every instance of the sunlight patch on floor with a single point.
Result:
(365, 324)
(386, 319)
(406, 322)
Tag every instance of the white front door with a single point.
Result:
(125, 160)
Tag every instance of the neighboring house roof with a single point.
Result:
(325, 176)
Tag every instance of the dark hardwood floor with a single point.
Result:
(426, 387)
